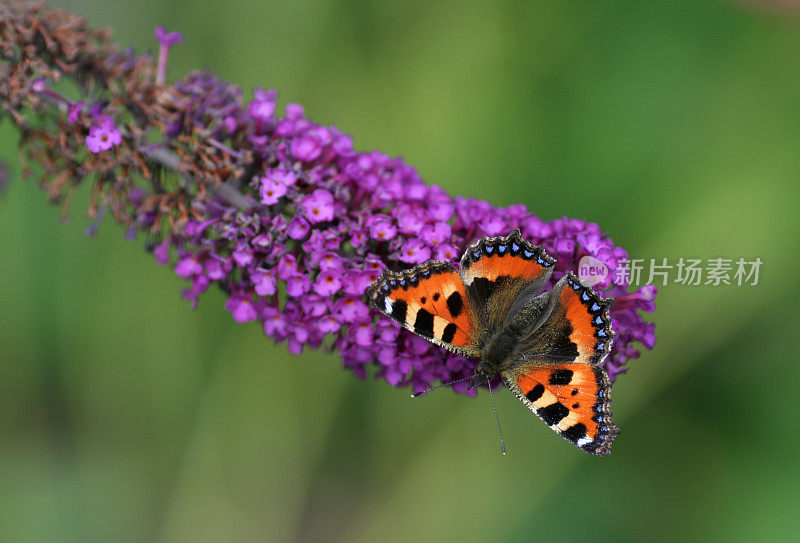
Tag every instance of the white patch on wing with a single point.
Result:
(411, 315)
(547, 398)
(388, 305)
(568, 421)
(447, 290)
(439, 325)
(584, 441)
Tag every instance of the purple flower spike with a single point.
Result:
(279, 212)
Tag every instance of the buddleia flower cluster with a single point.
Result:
(281, 213)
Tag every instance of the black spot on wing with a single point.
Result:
(436, 297)
(399, 310)
(563, 347)
(423, 325)
(481, 288)
(449, 333)
(575, 432)
(535, 393)
(455, 304)
(561, 377)
(553, 413)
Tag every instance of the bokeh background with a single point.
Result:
(125, 416)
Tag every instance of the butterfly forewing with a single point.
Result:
(571, 398)
(587, 315)
(498, 271)
(431, 301)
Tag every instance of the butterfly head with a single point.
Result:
(481, 376)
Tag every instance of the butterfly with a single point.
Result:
(548, 347)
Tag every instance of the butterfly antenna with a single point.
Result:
(497, 418)
(423, 392)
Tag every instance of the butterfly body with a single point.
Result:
(548, 347)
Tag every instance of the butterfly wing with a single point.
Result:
(573, 326)
(502, 274)
(571, 398)
(430, 300)
(558, 373)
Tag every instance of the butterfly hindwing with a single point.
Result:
(500, 271)
(571, 398)
(431, 301)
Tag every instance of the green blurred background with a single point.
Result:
(125, 416)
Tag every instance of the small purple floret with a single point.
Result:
(242, 308)
(318, 206)
(414, 252)
(103, 136)
(263, 105)
(168, 38)
(74, 111)
(165, 41)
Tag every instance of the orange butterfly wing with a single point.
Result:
(571, 398)
(589, 319)
(503, 273)
(430, 300)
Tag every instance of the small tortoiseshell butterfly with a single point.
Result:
(548, 348)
